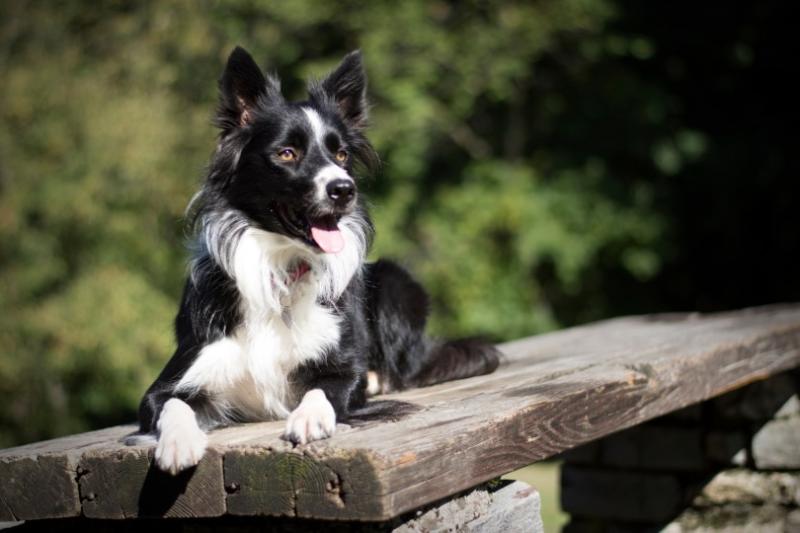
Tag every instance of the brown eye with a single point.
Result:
(341, 156)
(287, 154)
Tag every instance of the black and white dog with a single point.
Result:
(281, 317)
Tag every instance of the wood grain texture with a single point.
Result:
(40, 480)
(553, 392)
(124, 483)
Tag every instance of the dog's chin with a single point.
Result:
(320, 230)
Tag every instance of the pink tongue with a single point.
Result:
(330, 240)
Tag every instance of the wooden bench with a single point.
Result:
(552, 392)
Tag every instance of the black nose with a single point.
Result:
(341, 191)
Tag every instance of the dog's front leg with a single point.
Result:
(322, 405)
(181, 442)
(313, 419)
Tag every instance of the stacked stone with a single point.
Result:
(730, 464)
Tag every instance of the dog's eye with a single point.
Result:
(341, 156)
(287, 154)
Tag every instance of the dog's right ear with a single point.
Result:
(241, 87)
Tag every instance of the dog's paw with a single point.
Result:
(313, 419)
(181, 443)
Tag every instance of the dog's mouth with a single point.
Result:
(320, 231)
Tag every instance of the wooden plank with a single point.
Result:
(553, 392)
(39, 480)
(310, 482)
(497, 428)
(122, 482)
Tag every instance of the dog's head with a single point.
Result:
(288, 166)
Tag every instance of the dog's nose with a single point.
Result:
(341, 191)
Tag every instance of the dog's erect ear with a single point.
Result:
(347, 86)
(241, 86)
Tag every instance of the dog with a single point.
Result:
(281, 317)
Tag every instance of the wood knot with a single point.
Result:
(334, 490)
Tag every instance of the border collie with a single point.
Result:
(281, 318)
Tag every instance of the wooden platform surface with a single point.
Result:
(553, 392)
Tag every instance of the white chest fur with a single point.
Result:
(246, 373)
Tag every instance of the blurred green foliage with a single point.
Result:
(526, 170)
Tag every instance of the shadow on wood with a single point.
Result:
(160, 491)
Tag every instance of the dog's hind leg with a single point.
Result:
(402, 355)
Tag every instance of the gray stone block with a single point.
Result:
(605, 493)
(515, 508)
(656, 448)
(691, 413)
(793, 521)
(732, 519)
(757, 402)
(623, 449)
(585, 454)
(776, 446)
(790, 408)
(747, 486)
(727, 447)
(582, 525)
(762, 400)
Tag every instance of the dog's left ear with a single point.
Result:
(347, 87)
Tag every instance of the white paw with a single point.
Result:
(181, 442)
(313, 419)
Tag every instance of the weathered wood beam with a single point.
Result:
(553, 392)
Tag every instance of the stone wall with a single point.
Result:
(729, 464)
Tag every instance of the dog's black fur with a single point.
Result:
(255, 187)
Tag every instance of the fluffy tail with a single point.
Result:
(457, 359)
